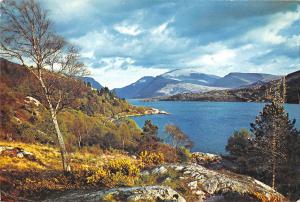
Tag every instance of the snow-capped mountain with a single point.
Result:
(190, 75)
(187, 80)
(172, 89)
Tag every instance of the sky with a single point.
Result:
(124, 40)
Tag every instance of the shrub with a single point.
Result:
(150, 159)
(239, 143)
(184, 154)
(115, 172)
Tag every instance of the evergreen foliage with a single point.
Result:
(271, 152)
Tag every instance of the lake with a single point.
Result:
(208, 124)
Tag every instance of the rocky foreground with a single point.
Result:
(193, 181)
(203, 185)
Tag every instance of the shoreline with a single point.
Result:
(151, 111)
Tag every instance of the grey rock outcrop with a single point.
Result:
(206, 182)
(147, 193)
(203, 183)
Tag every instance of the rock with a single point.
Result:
(159, 193)
(146, 172)
(213, 182)
(179, 168)
(155, 111)
(216, 198)
(163, 112)
(3, 148)
(147, 193)
(199, 157)
(199, 193)
(32, 100)
(20, 153)
(160, 170)
(210, 186)
(192, 185)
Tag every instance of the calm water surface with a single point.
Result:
(208, 124)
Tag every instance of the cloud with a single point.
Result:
(270, 33)
(132, 30)
(118, 77)
(139, 37)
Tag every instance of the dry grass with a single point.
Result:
(51, 158)
(36, 179)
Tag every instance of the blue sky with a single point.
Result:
(121, 41)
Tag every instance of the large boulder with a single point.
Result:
(205, 183)
(147, 193)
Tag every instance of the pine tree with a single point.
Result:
(273, 131)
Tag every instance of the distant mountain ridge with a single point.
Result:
(95, 84)
(255, 92)
(188, 80)
(237, 79)
(133, 90)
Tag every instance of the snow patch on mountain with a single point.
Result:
(172, 89)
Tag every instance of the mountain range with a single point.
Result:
(188, 80)
(255, 92)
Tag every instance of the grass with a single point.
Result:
(22, 177)
(50, 156)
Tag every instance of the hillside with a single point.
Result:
(94, 84)
(188, 80)
(23, 112)
(293, 87)
(256, 92)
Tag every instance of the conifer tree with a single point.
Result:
(273, 131)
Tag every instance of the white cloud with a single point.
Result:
(270, 33)
(67, 10)
(217, 58)
(124, 28)
(117, 77)
(116, 62)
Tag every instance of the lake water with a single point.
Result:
(208, 124)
